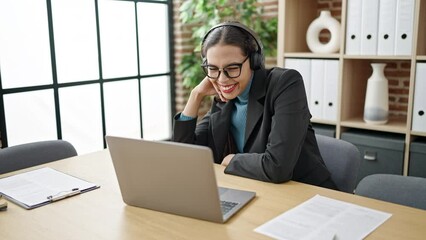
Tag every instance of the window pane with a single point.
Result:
(118, 38)
(30, 117)
(153, 38)
(156, 117)
(74, 24)
(24, 44)
(81, 117)
(122, 114)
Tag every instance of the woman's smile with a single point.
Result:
(229, 88)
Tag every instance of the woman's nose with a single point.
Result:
(222, 77)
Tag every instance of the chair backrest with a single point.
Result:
(31, 154)
(342, 160)
(404, 190)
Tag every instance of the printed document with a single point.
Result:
(323, 218)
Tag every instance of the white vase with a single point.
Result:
(376, 108)
(324, 21)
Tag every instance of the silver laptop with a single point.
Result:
(173, 177)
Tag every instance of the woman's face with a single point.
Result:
(228, 57)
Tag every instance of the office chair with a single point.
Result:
(35, 153)
(342, 160)
(404, 190)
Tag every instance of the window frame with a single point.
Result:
(56, 86)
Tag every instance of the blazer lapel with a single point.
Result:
(221, 121)
(256, 102)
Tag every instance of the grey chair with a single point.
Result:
(404, 190)
(32, 154)
(342, 160)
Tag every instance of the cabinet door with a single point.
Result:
(419, 108)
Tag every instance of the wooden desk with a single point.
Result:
(101, 214)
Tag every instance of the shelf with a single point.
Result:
(354, 70)
(420, 134)
(322, 121)
(311, 55)
(377, 57)
(395, 125)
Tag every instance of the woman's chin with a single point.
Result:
(229, 96)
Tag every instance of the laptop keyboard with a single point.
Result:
(227, 206)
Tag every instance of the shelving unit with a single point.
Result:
(294, 18)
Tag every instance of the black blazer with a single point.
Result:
(280, 144)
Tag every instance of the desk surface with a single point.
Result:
(101, 214)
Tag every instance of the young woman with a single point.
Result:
(259, 122)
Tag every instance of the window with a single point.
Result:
(81, 69)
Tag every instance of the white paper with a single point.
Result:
(323, 218)
(33, 188)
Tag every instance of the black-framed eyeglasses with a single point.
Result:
(231, 71)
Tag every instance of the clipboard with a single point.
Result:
(42, 186)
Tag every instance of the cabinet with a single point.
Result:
(381, 152)
(417, 159)
(294, 18)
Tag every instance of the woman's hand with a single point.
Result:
(206, 87)
(209, 87)
(227, 159)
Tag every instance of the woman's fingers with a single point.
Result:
(219, 93)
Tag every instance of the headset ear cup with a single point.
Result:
(256, 61)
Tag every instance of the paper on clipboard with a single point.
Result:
(42, 186)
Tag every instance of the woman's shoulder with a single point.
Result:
(282, 73)
(282, 77)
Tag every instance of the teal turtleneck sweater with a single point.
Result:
(239, 117)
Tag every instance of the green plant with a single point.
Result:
(201, 15)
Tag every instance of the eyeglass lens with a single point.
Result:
(232, 71)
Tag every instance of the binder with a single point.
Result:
(369, 27)
(317, 88)
(42, 186)
(404, 27)
(303, 66)
(331, 76)
(419, 106)
(353, 27)
(387, 29)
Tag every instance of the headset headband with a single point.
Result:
(240, 26)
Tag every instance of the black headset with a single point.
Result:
(256, 59)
